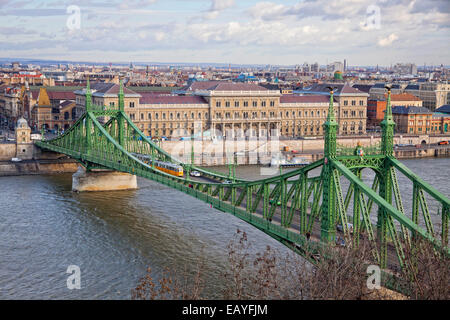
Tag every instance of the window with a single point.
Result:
(156, 116)
(345, 103)
(227, 103)
(218, 104)
(236, 103)
(353, 103)
(263, 103)
(111, 104)
(131, 104)
(361, 102)
(132, 116)
(149, 116)
(164, 116)
(255, 103)
(245, 103)
(142, 116)
(272, 103)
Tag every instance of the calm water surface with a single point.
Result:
(114, 236)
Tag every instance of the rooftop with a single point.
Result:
(410, 110)
(340, 89)
(403, 97)
(224, 86)
(444, 109)
(164, 99)
(304, 99)
(102, 89)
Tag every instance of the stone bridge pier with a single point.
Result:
(102, 180)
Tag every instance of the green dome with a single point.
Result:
(338, 75)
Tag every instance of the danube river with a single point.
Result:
(114, 236)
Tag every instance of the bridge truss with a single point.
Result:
(304, 208)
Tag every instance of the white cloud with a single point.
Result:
(219, 5)
(384, 42)
(267, 10)
(269, 30)
(128, 4)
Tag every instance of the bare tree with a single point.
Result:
(340, 273)
(427, 276)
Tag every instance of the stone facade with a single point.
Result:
(24, 145)
(233, 109)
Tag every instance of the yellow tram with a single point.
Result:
(167, 167)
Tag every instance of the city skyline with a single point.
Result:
(228, 31)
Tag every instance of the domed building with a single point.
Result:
(23, 131)
(338, 75)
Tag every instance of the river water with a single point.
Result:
(114, 236)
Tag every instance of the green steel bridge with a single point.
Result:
(302, 209)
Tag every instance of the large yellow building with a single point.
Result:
(233, 110)
(412, 120)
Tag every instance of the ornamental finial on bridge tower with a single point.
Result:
(88, 96)
(387, 125)
(121, 97)
(330, 129)
(331, 117)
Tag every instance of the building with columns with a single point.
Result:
(233, 109)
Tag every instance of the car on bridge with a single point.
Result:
(195, 174)
(442, 142)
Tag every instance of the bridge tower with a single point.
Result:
(385, 178)
(94, 178)
(328, 229)
(88, 105)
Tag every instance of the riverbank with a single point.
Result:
(37, 167)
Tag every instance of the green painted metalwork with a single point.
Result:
(299, 209)
(328, 225)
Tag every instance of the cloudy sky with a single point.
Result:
(365, 32)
